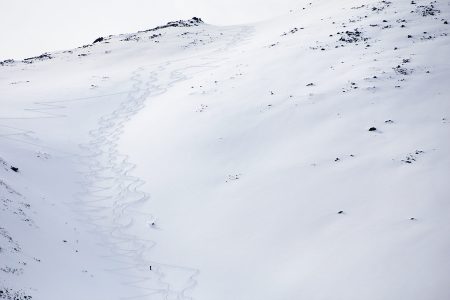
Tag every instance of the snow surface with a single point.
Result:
(201, 162)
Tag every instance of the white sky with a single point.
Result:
(31, 27)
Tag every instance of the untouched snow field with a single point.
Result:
(305, 157)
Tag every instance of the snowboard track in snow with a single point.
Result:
(110, 195)
(113, 191)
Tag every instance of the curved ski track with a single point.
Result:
(112, 196)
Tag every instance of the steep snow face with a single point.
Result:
(312, 163)
(74, 198)
(305, 157)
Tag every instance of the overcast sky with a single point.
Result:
(31, 27)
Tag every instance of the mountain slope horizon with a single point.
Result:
(302, 157)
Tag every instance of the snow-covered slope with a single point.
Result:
(305, 157)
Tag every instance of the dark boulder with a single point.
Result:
(98, 40)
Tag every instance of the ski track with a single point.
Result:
(110, 195)
(114, 193)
